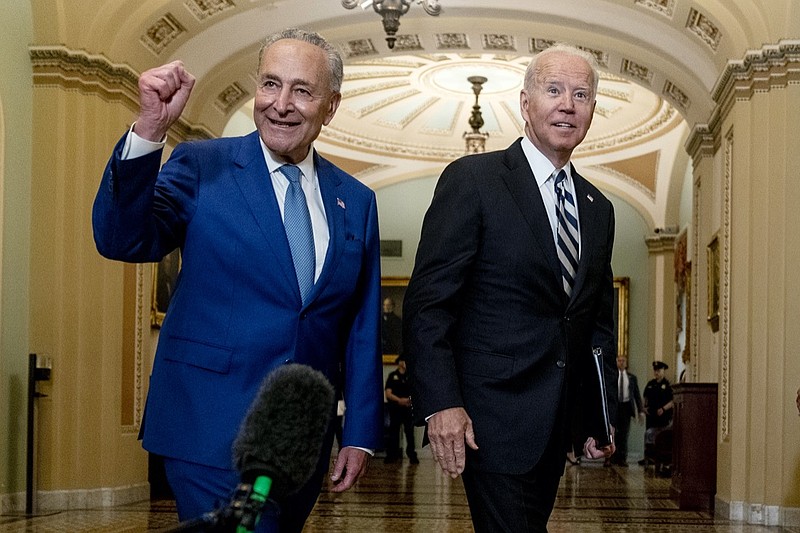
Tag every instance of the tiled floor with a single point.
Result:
(419, 499)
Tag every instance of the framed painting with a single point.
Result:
(393, 290)
(621, 289)
(165, 275)
(712, 255)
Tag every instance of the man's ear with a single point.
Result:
(333, 105)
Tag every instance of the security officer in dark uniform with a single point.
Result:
(657, 407)
(398, 397)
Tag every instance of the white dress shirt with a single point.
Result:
(543, 172)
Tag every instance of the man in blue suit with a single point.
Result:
(242, 306)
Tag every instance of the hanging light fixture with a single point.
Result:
(391, 11)
(476, 140)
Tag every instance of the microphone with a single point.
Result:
(277, 448)
(281, 436)
(278, 445)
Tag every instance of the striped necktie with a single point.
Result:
(567, 234)
(297, 222)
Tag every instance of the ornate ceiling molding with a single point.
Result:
(162, 33)
(353, 140)
(629, 180)
(58, 66)
(662, 7)
(761, 70)
(700, 143)
(661, 242)
(772, 67)
(702, 26)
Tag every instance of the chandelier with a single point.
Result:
(391, 11)
(476, 140)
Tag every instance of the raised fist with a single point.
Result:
(163, 93)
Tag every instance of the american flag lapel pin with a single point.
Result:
(589, 196)
(340, 203)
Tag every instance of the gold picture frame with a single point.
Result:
(393, 287)
(621, 297)
(165, 275)
(712, 256)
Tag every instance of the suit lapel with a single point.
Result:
(522, 185)
(587, 214)
(335, 209)
(256, 186)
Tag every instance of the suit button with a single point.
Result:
(561, 364)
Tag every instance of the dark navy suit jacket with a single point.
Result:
(487, 324)
(236, 313)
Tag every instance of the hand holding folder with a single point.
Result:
(601, 443)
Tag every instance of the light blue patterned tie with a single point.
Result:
(567, 234)
(297, 222)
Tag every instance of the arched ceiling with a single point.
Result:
(404, 110)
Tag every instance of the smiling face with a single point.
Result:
(293, 99)
(559, 105)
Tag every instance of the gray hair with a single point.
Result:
(563, 48)
(334, 59)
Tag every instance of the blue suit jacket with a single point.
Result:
(236, 312)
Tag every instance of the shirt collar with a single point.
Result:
(541, 166)
(306, 166)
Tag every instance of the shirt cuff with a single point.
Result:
(136, 146)
(368, 450)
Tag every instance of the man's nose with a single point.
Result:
(567, 103)
(284, 100)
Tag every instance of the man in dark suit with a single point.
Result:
(499, 335)
(391, 329)
(629, 405)
(250, 296)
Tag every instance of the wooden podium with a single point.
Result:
(694, 446)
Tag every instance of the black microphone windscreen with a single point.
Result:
(281, 436)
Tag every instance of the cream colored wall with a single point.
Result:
(15, 195)
(78, 299)
(746, 194)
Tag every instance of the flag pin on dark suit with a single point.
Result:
(340, 203)
(589, 196)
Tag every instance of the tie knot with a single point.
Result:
(560, 177)
(292, 172)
